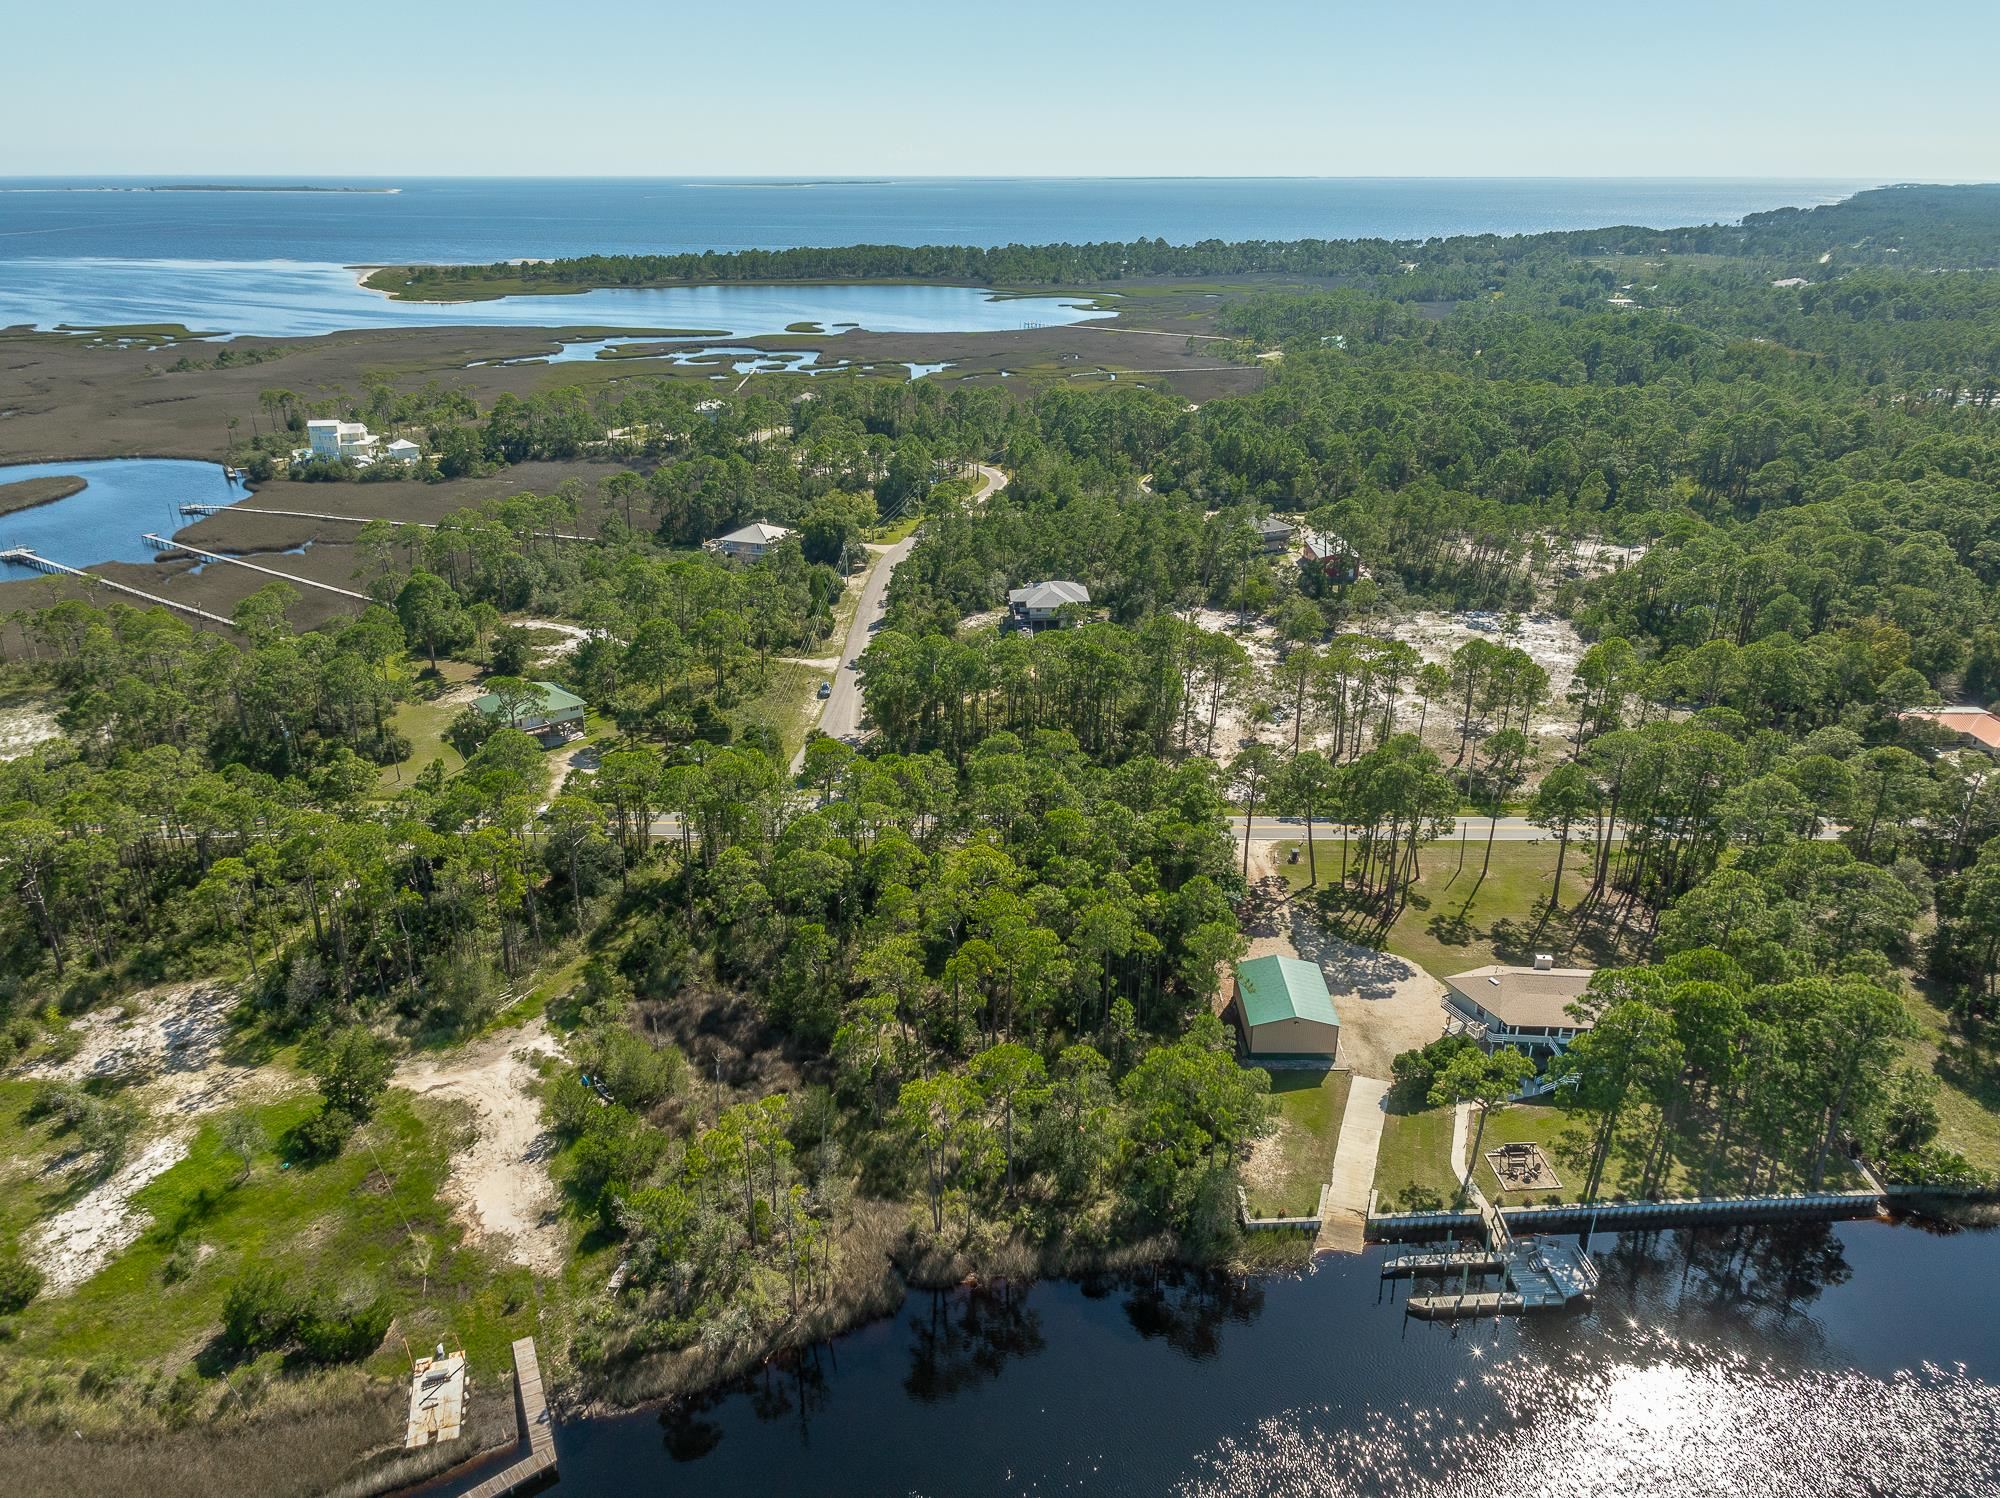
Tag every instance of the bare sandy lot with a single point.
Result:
(168, 1044)
(24, 725)
(500, 1184)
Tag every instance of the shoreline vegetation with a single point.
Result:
(28, 494)
(1800, 237)
(698, 1033)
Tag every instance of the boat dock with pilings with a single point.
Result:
(1541, 1273)
(1555, 1217)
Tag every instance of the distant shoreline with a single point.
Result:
(211, 187)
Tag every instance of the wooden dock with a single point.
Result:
(206, 510)
(161, 543)
(21, 556)
(537, 1458)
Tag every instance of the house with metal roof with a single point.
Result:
(549, 713)
(752, 543)
(1283, 1009)
(1273, 534)
(1041, 604)
(1498, 1005)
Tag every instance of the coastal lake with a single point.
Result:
(122, 499)
(284, 299)
(1810, 1360)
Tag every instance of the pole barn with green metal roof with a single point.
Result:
(1283, 1008)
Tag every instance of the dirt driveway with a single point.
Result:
(1386, 1005)
(500, 1183)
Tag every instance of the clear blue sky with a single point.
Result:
(1087, 87)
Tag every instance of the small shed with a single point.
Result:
(1283, 1007)
(549, 713)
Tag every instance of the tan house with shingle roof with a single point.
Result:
(1519, 1006)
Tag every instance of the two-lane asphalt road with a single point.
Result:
(841, 713)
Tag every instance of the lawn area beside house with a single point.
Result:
(1969, 1092)
(1413, 1168)
(1290, 1166)
(1439, 931)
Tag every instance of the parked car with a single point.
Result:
(825, 690)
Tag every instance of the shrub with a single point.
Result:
(329, 1333)
(181, 1261)
(1414, 1071)
(352, 1068)
(260, 1311)
(324, 1135)
(20, 1281)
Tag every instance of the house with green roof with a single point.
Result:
(1283, 1009)
(541, 710)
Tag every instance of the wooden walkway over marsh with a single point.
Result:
(537, 1458)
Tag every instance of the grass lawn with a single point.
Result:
(1527, 1123)
(423, 724)
(372, 1221)
(1413, 1169)
(1969, 1097)
(1310, 1107)
(1438, 931)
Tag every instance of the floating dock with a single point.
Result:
(437, 1400)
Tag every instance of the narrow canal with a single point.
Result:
(1818, 1359)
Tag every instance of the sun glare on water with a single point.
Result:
(1668, 1420)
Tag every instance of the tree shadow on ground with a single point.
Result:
(1351, 968)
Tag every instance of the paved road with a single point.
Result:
(1293, 829)
(840, 714)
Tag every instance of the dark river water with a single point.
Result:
(1857, 1358)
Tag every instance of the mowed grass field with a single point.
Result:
(1455, 920)
(1413, 1167)
(1311, 1105)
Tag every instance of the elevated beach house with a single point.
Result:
(1329, 556)
(1282, 1008)
(1039, 605)
(752, 543)
(1273, 534)
(1527, 1007)
(351, 442)
(546, 713)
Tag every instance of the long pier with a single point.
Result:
(21, 556)
(203, 509)
(537, 1425)
(161, 543)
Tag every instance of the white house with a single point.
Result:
(1043, 603)
(1527, 1007)
(752, 543)
(402, 450)
(334, 440)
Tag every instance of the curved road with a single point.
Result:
(840, 715)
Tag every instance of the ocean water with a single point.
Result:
(485, 219)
